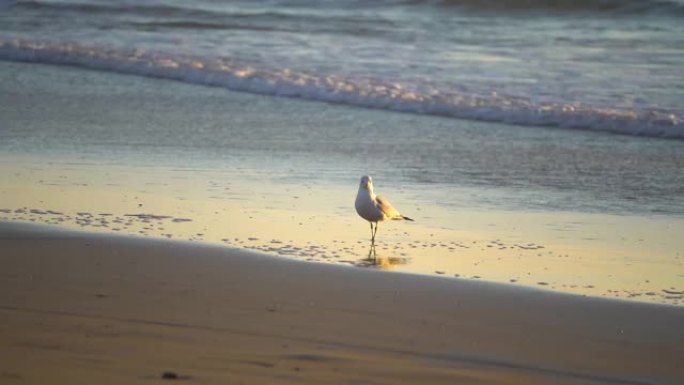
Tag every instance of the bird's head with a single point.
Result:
(366, 183)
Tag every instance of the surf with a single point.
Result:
(231, 74)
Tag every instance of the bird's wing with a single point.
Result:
(386, 207)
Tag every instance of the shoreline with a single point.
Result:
(502, 254)
(532, 207)
(80, 307)
(57, 231)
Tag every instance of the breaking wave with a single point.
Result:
(370, 93)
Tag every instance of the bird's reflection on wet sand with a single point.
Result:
(382, 261)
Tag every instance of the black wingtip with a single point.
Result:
(407, 218)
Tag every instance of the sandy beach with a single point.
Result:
(82, 308)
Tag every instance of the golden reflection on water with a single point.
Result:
(614, 256)
(381, 261)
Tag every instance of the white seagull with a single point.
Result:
(374, 208)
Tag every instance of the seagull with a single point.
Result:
(374, 208)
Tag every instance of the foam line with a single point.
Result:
(371, 93)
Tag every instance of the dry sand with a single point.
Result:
(79, 308)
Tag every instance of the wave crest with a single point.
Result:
(369, 93)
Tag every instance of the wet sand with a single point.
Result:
(594, 254)
(79, 307)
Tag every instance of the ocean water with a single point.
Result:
(604, 65)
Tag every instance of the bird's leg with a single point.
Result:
(372, 234)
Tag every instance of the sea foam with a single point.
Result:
(370, 93)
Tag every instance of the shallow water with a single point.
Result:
(489, 165)
(545, 208)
